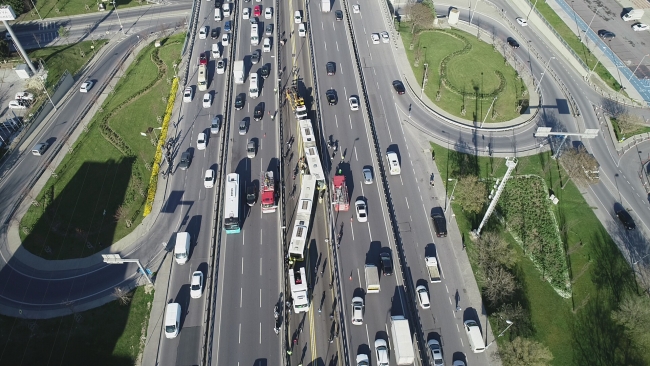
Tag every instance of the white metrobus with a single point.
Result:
(203, 78)
(303, 218)
(231, 204)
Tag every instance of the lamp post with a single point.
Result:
(575, 18)
(510, 323)
(531, 10)
(424, 78)
(592, 19)
(452, 192)
(640, 259)
(118, 16)
(592, 70)
(544, 72)
(488, 111)
(637, 66)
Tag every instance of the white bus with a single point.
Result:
(203, 78)
(231, 205)
(297, 246)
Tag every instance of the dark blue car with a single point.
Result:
(227, 26)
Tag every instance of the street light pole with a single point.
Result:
(510, 323)
(637, 66)
(424, 79)
(118, 17)
(531, 10)
(544, 72)
(452, 192)
(488, 111)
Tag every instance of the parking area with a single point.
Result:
(11, 118)
(604, 17)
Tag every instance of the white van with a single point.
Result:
(267, 45)
(474, 336)
(226, 9)
(172, 320)
(393, 163)
(182, 247)
(253, 88)
(216, 51)
(255, 35)
(217, 15)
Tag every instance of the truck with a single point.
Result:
(634, 14)
(267, 187)
(299, 294)
(372, 279)
(238, 72)
(203, 78)
(325, 6)
(340, 198)
(432, 266)
(402, 343)
(296, 102)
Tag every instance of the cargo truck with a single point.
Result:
(372, 279)
(402, 343)
(326, 6)
(432, 266)
(634, 14)
(238, 72)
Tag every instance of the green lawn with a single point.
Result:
(48, 8)
(57, 59)
(574, 329)
(78, 211)
(576, 44)
(473, 72)
(621, 137)
(108, 335)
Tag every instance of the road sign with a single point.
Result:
(542, 131)
(112, 258)
(590, 133)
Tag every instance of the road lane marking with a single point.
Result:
(239, 333)
(350, 118)
(356, 157)
(352, 230)
(241, 296)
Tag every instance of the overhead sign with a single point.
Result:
(591, 133)
(542, 131)
(7, 13)
(112, 258)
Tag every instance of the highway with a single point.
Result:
(250, 263)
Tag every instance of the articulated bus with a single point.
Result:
(231, 204)
(303, 219)
(203, 78)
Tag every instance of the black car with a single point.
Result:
(255, 57)
(386, 263)
(186, 159)
(251, 195)
(625, 218)
(399, 87)
(514, 44)
(239, 101)
(265, 71)
(259, 112)
(439, 224)
(217, 4)
(605, 34)
(214, 33)
(331, 68)
(268, 30)
(331, 97)
(339, 15)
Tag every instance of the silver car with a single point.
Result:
(242, 127)
(436, 352)
(367, 176)
(381, 348)
(357, 311)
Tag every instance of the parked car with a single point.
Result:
(24, 96)
(18, 104)
(605, 34)
(297, 17)
(640, 27)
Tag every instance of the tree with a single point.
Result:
(492, 249)
(519, 316)
(471, 194)
(581, 166)
(64, 32)
(498, 284)
(121, 213)
(525, 352)
(4, 49)
(628, 122)
(122, 295)
(420, 16)
(633, 314)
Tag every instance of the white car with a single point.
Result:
(225, 39)
(423, 297)
(522, 22)
(357, 311)
(203, 32)
(196, 285)
(355, 9)
(639, 27)
(221, 67)
(24, 96)
(188, 94)
(268, 13)
(363, 359)
(200, 141)
(375, 38)
(216, 51)
(267, 45)
(384, 37)
(208, 181)
(17, 104)
(436, 352)
(367, 176)
(381, 348)
(207, 100)
(354, 103)
(302, 31)
(297, 17)
(86, 86)
(246, 13)
(362, 212)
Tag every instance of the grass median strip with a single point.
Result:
(54, 8)
(97, 194)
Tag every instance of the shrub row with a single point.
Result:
(529, 217)
(153, 181)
